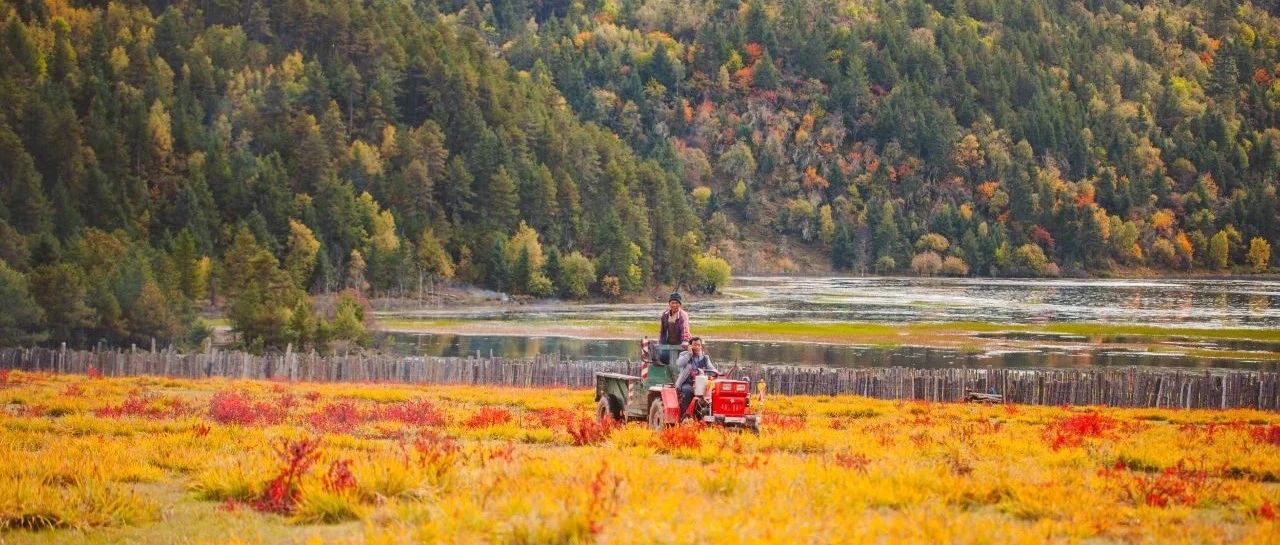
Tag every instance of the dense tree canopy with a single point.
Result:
(159, 156)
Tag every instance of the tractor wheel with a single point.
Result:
(655, 414)
(754, 426)
(605, 410)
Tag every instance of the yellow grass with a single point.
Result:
(824, 470)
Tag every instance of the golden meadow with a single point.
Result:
(157, 460)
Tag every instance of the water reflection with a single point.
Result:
(517, 347)
(1190, 303)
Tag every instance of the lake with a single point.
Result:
(1215, 304)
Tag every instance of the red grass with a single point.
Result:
(602, 504)
(145, 406)
(1267, 510)
(232, 407)
(72, 390)
(488, 417)
(1266, 434)
(282, 493)
(587, 430)
(783, 422)
(853, 460)
(32, 411)
(436, 453)
(555, 418)
(674, 438)
(1072, 430)
(340, 417)
(505, 453)
(339, 478)
(1177, 485)
(419, 412)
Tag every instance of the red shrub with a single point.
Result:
(782, 422)
(312, 396)
(853, 460)
(287, 401)
(437, 453)
(433, 446)
(489, 416)
(1177, 485)
(339, 478)
(340, 417)
(94, 373)
(282, 493)
(1072, 430)
(145, 406)
(674, 438)
(418, 412)
(555, 418)
(72, 390)
(603, 501)
(4, 377)
(232, 407)
(1266, 434)
(202, 430)
(1267, 510)
(32, 411)
(505, 453)
(587, 430)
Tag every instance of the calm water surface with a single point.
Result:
(1173, 303)
(1189, 303)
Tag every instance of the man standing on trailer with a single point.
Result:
(674, 327)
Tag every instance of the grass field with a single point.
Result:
(153, 460)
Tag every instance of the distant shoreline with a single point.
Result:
(1262, 344)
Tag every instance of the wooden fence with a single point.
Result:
(1115, 386)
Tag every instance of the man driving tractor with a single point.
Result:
(690, 364)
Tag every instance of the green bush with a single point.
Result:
(576, 275)
(711, 273)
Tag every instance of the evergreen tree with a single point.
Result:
(260, 295)
(765, 73)
(20, 323)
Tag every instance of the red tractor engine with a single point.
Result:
(728, 402)
(729, 397)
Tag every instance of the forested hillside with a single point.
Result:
(158, 156)
(993, 137)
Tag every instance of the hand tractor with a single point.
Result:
(652, 396)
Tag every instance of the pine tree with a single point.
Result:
(764, 73)
(60, 291)
(499, 208)
(22, 200)
(20, 323)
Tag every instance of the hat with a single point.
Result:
(675, 296)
